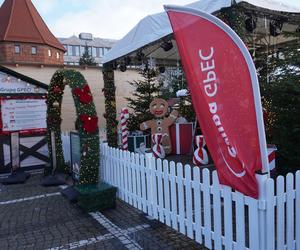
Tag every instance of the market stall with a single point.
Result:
(22, 121)
(150, 44)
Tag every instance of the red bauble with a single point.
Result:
(57, 90)
(90, 123)
(84, 94)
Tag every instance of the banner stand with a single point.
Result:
(261, 181)
(15, 151)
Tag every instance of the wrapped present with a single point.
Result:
(182, 138)
(135, 141)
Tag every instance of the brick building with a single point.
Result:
(25, 38)
(25, 42)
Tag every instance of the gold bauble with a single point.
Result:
(56, 104)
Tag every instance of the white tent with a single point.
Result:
(157, 26)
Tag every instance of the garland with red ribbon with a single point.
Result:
(86, 123)
(90, 123)
(84, 94)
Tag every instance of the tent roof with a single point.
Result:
(157, 26)
(21, 22)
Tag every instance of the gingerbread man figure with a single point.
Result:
(159, 108)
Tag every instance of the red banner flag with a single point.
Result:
(225, 93)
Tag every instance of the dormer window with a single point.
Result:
(17, 49)
(33, 50)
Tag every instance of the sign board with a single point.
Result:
(75, 155)
(13, 85)
(23, 114)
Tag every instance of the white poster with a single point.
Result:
(23, 114)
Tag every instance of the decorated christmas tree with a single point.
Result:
(279, 74)
(146, 90)
(86, 59)
(173, 81)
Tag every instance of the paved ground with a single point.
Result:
(34, 217)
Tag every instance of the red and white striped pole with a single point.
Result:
(200, 155)
(124, 118)
(157, 149)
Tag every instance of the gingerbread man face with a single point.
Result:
(159, 107)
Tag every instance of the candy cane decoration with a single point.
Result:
(200, 155)
(157, 149)
(124, 118)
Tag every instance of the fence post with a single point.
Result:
(262, 212)
(150, 168)
(105, 168)
(103, 152)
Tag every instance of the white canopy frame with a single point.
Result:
(152, 30)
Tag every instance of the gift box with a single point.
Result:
(134, 142)
(182, 138)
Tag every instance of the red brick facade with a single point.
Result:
(42, 56)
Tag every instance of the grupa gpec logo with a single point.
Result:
(210, 86)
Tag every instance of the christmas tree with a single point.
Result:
(86, 59)
(172, 81)
(279, 75)
(146, 90)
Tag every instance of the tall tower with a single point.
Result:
(25, 38)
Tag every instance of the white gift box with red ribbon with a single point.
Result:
(181, 138)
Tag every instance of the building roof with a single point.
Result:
(95, 42)
(21, 22)
(23, 77)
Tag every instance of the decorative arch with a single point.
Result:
(86, 123)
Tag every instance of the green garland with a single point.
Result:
(110, 115)
(89, 139)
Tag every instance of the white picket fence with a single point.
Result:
(191, 201)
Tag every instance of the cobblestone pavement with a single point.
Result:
(35, 217)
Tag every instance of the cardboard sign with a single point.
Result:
(75, 155)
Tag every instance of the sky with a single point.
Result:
(103, 18)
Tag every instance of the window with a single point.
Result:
(76, 51)
(82, 48)
(33, 50)
(49, 52)
(101, 52)
(57, 55)
(70, 50)
(17, 49)
(94, 52)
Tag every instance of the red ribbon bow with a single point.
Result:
(57, 90)
(90, 123)
(84, 94)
